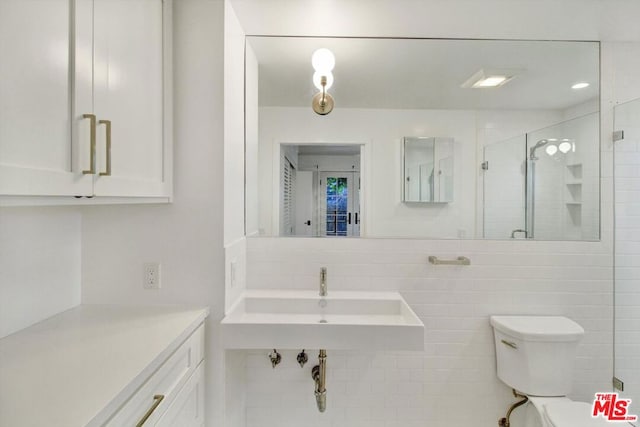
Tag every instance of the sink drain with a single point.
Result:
(322, 321)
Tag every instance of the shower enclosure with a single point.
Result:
(627, 251)
(545, 184)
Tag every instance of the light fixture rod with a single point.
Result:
(323, 82)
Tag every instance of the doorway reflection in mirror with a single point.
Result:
(320, 190)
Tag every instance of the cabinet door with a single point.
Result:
(131, 65)
(37, 149)
(187, 410)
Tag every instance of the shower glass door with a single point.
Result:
(504, 189)
(627, 251)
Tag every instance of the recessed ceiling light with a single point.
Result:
(488, 78)
(580, 85)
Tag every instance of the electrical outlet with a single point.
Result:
(151, 278)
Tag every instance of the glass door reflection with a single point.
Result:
(339, 204)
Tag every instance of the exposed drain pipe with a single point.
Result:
(504, 422)
(319, 375)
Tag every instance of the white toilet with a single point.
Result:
(535, 356)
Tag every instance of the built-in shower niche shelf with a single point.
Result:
(287, 319)
(574, 171)
(574, 212)
(573, 192)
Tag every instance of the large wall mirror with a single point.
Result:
(513, 127)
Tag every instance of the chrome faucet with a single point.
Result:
(323, 282)
(518, 230)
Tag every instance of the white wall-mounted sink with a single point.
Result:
(343, 320)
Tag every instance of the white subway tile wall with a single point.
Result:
(453, 382)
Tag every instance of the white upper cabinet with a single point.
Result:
(35, 100)
(128, 93)
(85, 98)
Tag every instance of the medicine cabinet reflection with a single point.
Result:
(428, 169)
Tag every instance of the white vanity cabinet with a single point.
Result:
(85, 98)
(106, 366)
(187, 410)
(174, 391)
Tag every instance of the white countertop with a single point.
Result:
(75, 368)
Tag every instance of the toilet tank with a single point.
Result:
(536, 354)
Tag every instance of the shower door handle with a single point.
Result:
(349, 218)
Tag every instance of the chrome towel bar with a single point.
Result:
(461, 260)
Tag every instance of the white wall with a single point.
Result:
(234, 151)
(240, 133)
(329, 163)
(39, 264)
(187, 236)
(384, 214)
(251, 141)
(234, 63)
(612, 20)
(453, 382)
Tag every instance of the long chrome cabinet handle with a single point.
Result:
(107, 124)
(156, 401)
(92, 137)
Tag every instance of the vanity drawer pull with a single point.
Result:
(156, 401)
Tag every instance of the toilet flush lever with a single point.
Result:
(510, 344)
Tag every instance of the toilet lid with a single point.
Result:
(573, 414)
